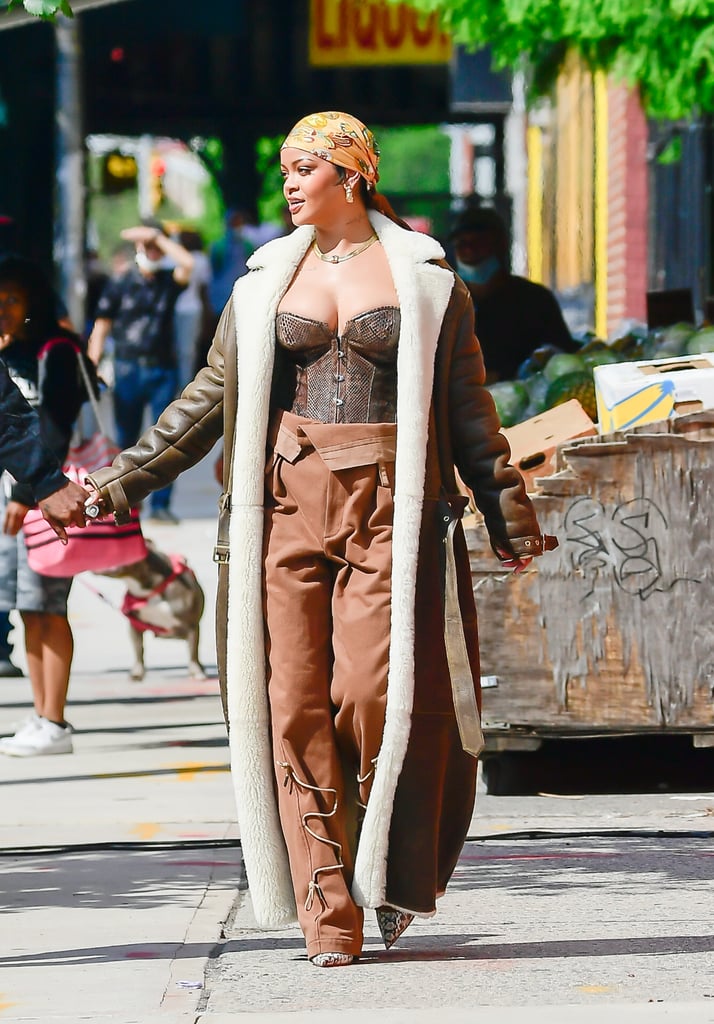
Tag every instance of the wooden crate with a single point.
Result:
(613, 631)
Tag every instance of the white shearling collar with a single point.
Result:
(397, 241)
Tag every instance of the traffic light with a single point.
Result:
(119, 173)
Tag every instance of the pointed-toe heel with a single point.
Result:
(392, 923)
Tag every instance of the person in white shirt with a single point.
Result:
(192, 308)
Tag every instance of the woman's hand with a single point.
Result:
(14, 517)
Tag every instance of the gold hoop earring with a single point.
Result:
(348, 193)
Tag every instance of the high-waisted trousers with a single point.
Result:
(328, 538)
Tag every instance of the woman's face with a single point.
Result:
(312, 187)
(14, 305)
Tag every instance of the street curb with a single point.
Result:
(614, 1013)
(186, 985)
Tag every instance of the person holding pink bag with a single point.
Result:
(48, 377)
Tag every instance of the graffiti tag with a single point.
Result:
(624, 541)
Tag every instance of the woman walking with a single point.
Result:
(348, 356)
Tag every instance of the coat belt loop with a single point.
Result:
(221, 552)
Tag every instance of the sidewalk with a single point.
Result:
(119, 862)
(124, 900)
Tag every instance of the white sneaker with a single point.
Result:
(23, 729)
(38, 737)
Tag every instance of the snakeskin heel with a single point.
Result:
(332, 959)
(392, 923)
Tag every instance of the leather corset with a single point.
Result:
(347, 378)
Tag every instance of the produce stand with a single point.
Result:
(611, 633)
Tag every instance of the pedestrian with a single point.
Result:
(348, 354)
(193, 312)
(244, 234)
(9, 246)
(23, 454)
(514, 316)
(137, 311)
(41, 357)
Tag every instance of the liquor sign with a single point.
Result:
(369, 32)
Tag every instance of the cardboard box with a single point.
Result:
(533, 442)
(644, 391)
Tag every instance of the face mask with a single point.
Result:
(481, 273)
(148, 265)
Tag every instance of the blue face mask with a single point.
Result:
(481, 273)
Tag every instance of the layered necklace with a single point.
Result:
(327, 258)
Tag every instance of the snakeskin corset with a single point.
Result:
(347, 378)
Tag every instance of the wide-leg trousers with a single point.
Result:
(328, 536)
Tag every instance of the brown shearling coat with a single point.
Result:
(445, 418)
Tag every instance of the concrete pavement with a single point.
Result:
(120, 861)
(123, 896)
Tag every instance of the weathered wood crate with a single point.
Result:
(612, 632)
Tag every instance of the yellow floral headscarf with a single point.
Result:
(340, 139)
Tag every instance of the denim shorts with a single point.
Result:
(21, 588)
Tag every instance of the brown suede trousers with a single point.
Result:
(327, 603)
(327, 608)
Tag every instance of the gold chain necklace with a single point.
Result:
(326, 258)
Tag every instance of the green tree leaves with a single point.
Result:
(664, 48)
(47, 9)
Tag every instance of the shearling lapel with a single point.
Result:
(423, 290)
(255, 301)
(255, 298)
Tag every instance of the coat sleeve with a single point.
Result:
(22, 450)
(481, 451)
(184, 433)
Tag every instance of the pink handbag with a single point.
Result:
(101, 545)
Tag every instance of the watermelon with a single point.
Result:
(577, 384)
(669, 341)
(701, 341)
(536, 361)
(629, 346)
(676, 336)
(598, 356)
(562, 363)
(511, 399)
(537, 387)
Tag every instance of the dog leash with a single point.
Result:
(99, 594)
(136, 623)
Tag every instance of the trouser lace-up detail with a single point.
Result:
(314, 889)
(361, 779)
